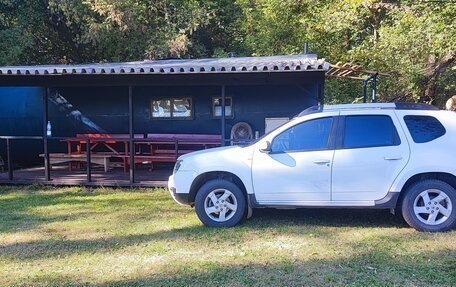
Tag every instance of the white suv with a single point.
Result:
(396, 156)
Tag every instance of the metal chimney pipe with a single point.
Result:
(306, 48)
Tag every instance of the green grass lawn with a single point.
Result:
(107, 237)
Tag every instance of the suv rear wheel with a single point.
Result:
(430, 205)
(220, 203)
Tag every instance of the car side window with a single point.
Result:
(424, 129)
(306, 136)
(363, 131)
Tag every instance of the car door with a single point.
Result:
(298, 167)
(370, 153)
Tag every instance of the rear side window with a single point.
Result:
(424, 129)
(369, 131)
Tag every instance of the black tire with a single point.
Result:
(217, 185)
(414, 191)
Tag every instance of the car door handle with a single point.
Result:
(393, 157)
(321, 161)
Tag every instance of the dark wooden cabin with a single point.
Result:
(165, 97)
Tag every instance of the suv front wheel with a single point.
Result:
(220, 203)
(430, 205)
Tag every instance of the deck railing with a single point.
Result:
(88, 153)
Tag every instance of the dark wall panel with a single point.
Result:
(105, 109)
(20, 115)
(20, 111)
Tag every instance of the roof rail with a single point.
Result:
(383, 106)
(359, 106)
(415, 106)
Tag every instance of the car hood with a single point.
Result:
(209, 151)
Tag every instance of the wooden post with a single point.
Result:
(9, 159)
(47, 166)
(365, 91)
(374, 88)
(321, 94)
(223, 117)
(88, 160)
(132, 144)
(176, 148)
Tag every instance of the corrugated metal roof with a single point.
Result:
(285, 63)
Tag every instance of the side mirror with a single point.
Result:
(265, 147)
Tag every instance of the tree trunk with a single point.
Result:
(431, 73)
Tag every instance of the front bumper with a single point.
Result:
(179, 186)
(181, 198)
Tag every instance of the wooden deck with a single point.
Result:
(60, 175)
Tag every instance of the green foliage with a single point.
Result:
(415, 41)
(69, 31)
(410, 45)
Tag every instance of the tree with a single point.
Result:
(418, 44)
(71, 31)
(414, 40)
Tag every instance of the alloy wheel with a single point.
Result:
(220, 205)
(432, 207)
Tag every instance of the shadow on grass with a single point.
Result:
(298, 223)
(378, 268)
(16, 215)
(328, 217)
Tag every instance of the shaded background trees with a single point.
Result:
(413, 40)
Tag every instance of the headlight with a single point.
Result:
(177, 166)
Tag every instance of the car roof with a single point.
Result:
(369, 106)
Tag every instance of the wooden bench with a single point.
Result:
(151, 158)
(209, 139)
(168, 147)
(101, 159)
(169, 144)
(106, 137)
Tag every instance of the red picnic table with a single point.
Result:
(168, 147)
(162, 147)
(109, 141)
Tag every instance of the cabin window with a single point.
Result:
(217, 107)
(172, 108)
